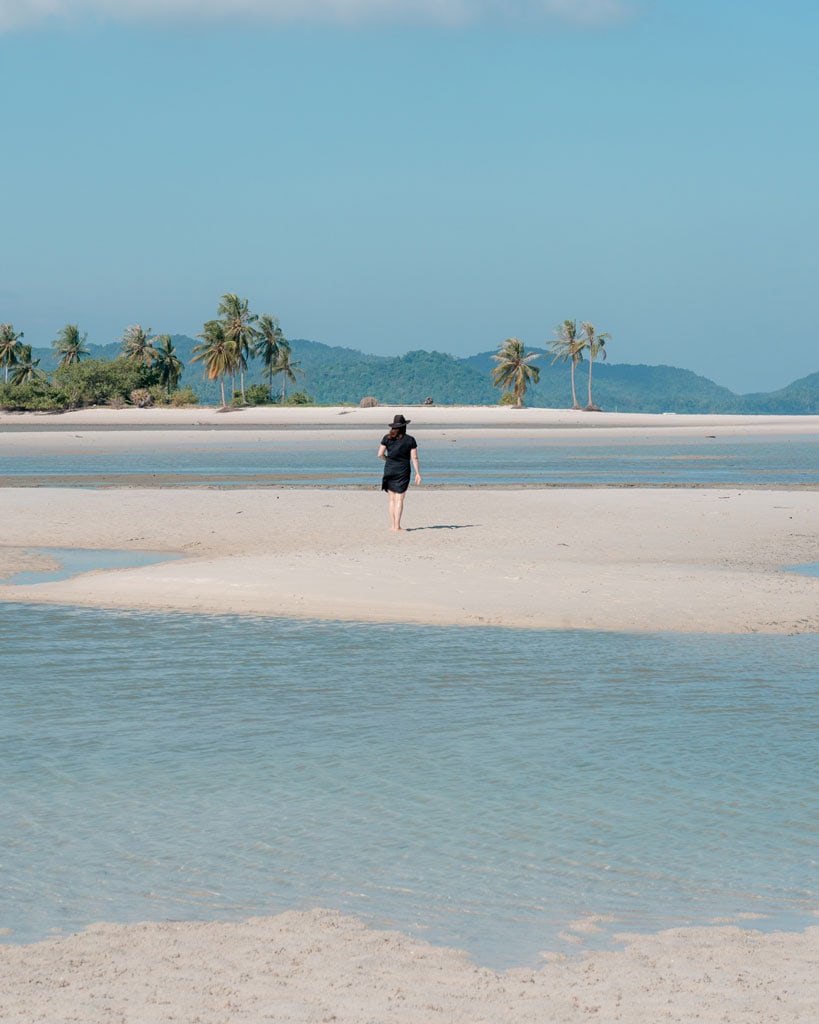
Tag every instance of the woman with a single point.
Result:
(398, 449)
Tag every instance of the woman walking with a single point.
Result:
(398, 449)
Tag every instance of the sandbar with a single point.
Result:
(422, 418)
(692, 560)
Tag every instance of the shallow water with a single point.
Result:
(808, 569)
(68, 562)
(478, 787)
(454, 460)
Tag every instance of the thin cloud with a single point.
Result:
(21, 14)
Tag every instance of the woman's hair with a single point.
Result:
(396, 432)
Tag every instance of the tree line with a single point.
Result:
(516, 369)
(148, 368)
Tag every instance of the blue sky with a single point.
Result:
(399, 174)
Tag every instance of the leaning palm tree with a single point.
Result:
(168, 363)
(514, 370)
(286, 367)
(69, 345)
(567, 346)
(26, 369)
(10, 347)
(238, 321)
(216, 353)
(138, 345)
(595, 344)
(268, 346)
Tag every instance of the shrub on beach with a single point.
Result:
(97, 381)
(184, 396)
(33, 396)
(255, 394)
(298, 398)
(507, 398)
(142, 398)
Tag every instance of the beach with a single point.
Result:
(319, 966)
(634, 559)
(691, 559)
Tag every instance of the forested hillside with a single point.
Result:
(334, 375)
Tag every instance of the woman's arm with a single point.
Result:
(415, 466)
(382, 451)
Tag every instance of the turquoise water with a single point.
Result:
(477, 787)
(454, 460)
(808, 569)
(69, 562)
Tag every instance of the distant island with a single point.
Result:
(331, 375)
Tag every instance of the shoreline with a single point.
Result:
(422, 417)
(319, 965)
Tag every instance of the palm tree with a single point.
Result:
(168, 363)
(138, 345)
(285, 366)
(268, 346)
(238, 322)
(26, 368)
(217, 353)
(595, 343)
(514, 369)
(9, 347)
(69, 345)
(567, 346)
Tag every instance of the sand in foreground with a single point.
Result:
(318, 966)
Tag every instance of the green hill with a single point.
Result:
(622, 387)
(801, 397)
(335, 375)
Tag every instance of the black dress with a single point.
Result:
(397, 466)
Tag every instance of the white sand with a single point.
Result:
(678, 559)
(494, 417)
(692, 560)
(320, 967)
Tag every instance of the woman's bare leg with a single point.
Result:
(398, 508)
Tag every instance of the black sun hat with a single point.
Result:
(398, 421)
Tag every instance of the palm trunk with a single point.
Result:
(575, 403)
(591, 403)
(222, 382)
